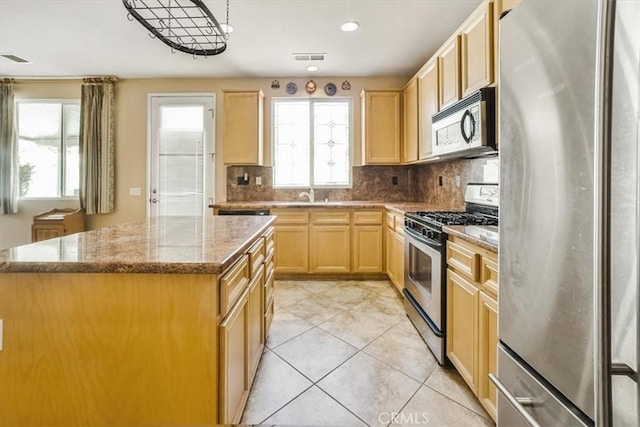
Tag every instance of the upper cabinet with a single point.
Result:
(449, 77)
(243, 127)
(476, 50)
(428, 105)
(410, 122)
(381, 127)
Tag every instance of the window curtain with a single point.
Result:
(97, 146)
(8, 149)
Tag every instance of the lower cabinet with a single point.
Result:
(367, 249)
(487, 363)
(329, 241)
(462, 336)
(234, 357)
(330, 249)
(292, 248)
(395, 249)
(472, 317)
(256, 334)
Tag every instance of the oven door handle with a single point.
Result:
(424, 239)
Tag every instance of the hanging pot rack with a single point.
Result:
(185, 25)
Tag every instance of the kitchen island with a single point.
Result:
(160, 322)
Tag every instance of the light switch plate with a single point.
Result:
(258, 180)
(135, 191)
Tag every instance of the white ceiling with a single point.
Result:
(74, 38)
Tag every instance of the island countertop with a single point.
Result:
(194, 245)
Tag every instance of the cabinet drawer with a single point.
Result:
(256, 257)
(489, 276)
(464, 260)
(269, 263)
(291, 216)
(330, 216)
(269, 241)
(391, 220)
(233, 283)
(367, 217)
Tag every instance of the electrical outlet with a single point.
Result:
(457, 181)
(394, 180)
(258, 180)
(440, 181)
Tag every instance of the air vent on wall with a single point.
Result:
(309, 56)
(15, 58)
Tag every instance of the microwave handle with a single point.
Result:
(466, 137)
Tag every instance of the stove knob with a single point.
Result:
(430, 234)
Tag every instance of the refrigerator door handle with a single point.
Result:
(624, 369)
(518, 403)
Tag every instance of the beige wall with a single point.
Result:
(131, 132)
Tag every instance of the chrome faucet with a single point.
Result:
(308, 194)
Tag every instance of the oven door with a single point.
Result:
(423, 276)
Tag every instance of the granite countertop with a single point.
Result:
(484, 236)
(400, 207)
(192, 245)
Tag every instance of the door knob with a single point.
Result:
(154, 200)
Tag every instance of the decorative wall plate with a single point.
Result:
(330, 89)
(275, 84)
(346, 85)
(310, 87)
(291, 88)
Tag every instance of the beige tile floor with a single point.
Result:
(344, 353)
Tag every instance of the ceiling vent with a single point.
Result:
(309, 56)
(15, 58)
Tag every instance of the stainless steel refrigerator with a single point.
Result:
(569, 184)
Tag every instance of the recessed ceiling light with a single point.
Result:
(349, 26)
(226, 28)
(16, 58)
(312, 68)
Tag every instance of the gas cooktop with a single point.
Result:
(440, 218)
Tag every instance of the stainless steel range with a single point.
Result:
(425, 261)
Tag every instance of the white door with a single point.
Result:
(181, 155)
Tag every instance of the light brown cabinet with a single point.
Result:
(56, 223)
(330, 249)
(243, 127)
(472, 317)
(328, 241)
(395, 249)
(410, 121)
(234, 358)
(428, 105)
(476, 52)
(449, 72)
(381, 127)
(256, 335)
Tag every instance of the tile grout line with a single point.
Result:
(458, 403)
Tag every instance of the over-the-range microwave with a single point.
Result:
(466, 128)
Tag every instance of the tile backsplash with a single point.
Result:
(375, 183)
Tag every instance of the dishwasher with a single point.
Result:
(227, 211)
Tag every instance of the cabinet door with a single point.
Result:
(243, 128)
(43, 232)
(428, 105)
(410, 122)
(391, 255)
(487, 349)
(381, 127)
(330, 249)
(234, 382)
(367, 249)
(477, 50)
(399, 255)
(462, 331)
(448, 78)
(255, 306)
(292, 249)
